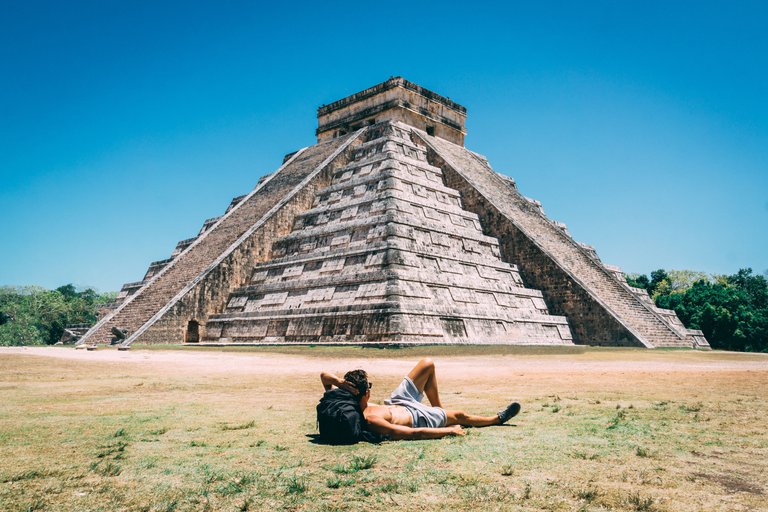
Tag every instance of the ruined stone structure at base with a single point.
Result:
(388, 231)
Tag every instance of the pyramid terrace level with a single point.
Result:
(387, 231)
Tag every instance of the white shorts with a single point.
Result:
(408, 395)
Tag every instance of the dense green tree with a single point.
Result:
(681, 280)
(32, 315)
(638, 280)
(732, 311)
(659, 283)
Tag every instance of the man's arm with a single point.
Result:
(329, 380)
(398, 432)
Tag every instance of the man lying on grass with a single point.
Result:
(402, 416)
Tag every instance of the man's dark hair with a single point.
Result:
(359, 379)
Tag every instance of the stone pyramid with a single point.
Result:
(388, 231)
(387, 254)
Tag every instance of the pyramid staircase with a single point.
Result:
(595, 298)
(201, 261)
(155, 267)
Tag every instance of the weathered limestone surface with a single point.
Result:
(201, 258)
(601, 309)
(387, 254)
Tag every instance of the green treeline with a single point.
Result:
(732, 311)
(31, 315)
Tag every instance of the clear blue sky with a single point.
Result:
(124, 125)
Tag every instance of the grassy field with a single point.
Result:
(161, 430)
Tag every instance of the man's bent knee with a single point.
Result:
(456, 417)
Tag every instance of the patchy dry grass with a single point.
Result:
(600, 430)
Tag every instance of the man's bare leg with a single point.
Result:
(470, 420)
(423, 376)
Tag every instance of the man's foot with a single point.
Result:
(510, 412)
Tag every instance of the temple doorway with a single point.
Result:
(193, 332)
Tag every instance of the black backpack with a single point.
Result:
(339, 417)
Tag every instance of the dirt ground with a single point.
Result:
(601, 429)
(468, 365)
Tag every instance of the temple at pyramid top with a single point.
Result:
(396, 99)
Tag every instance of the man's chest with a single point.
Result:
(395, 414)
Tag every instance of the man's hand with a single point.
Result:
(456, 430)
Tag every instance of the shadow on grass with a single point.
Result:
(315, 439)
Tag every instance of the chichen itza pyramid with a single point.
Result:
(387, 231)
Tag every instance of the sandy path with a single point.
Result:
(182, 361)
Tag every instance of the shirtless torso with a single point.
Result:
(394, 414)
